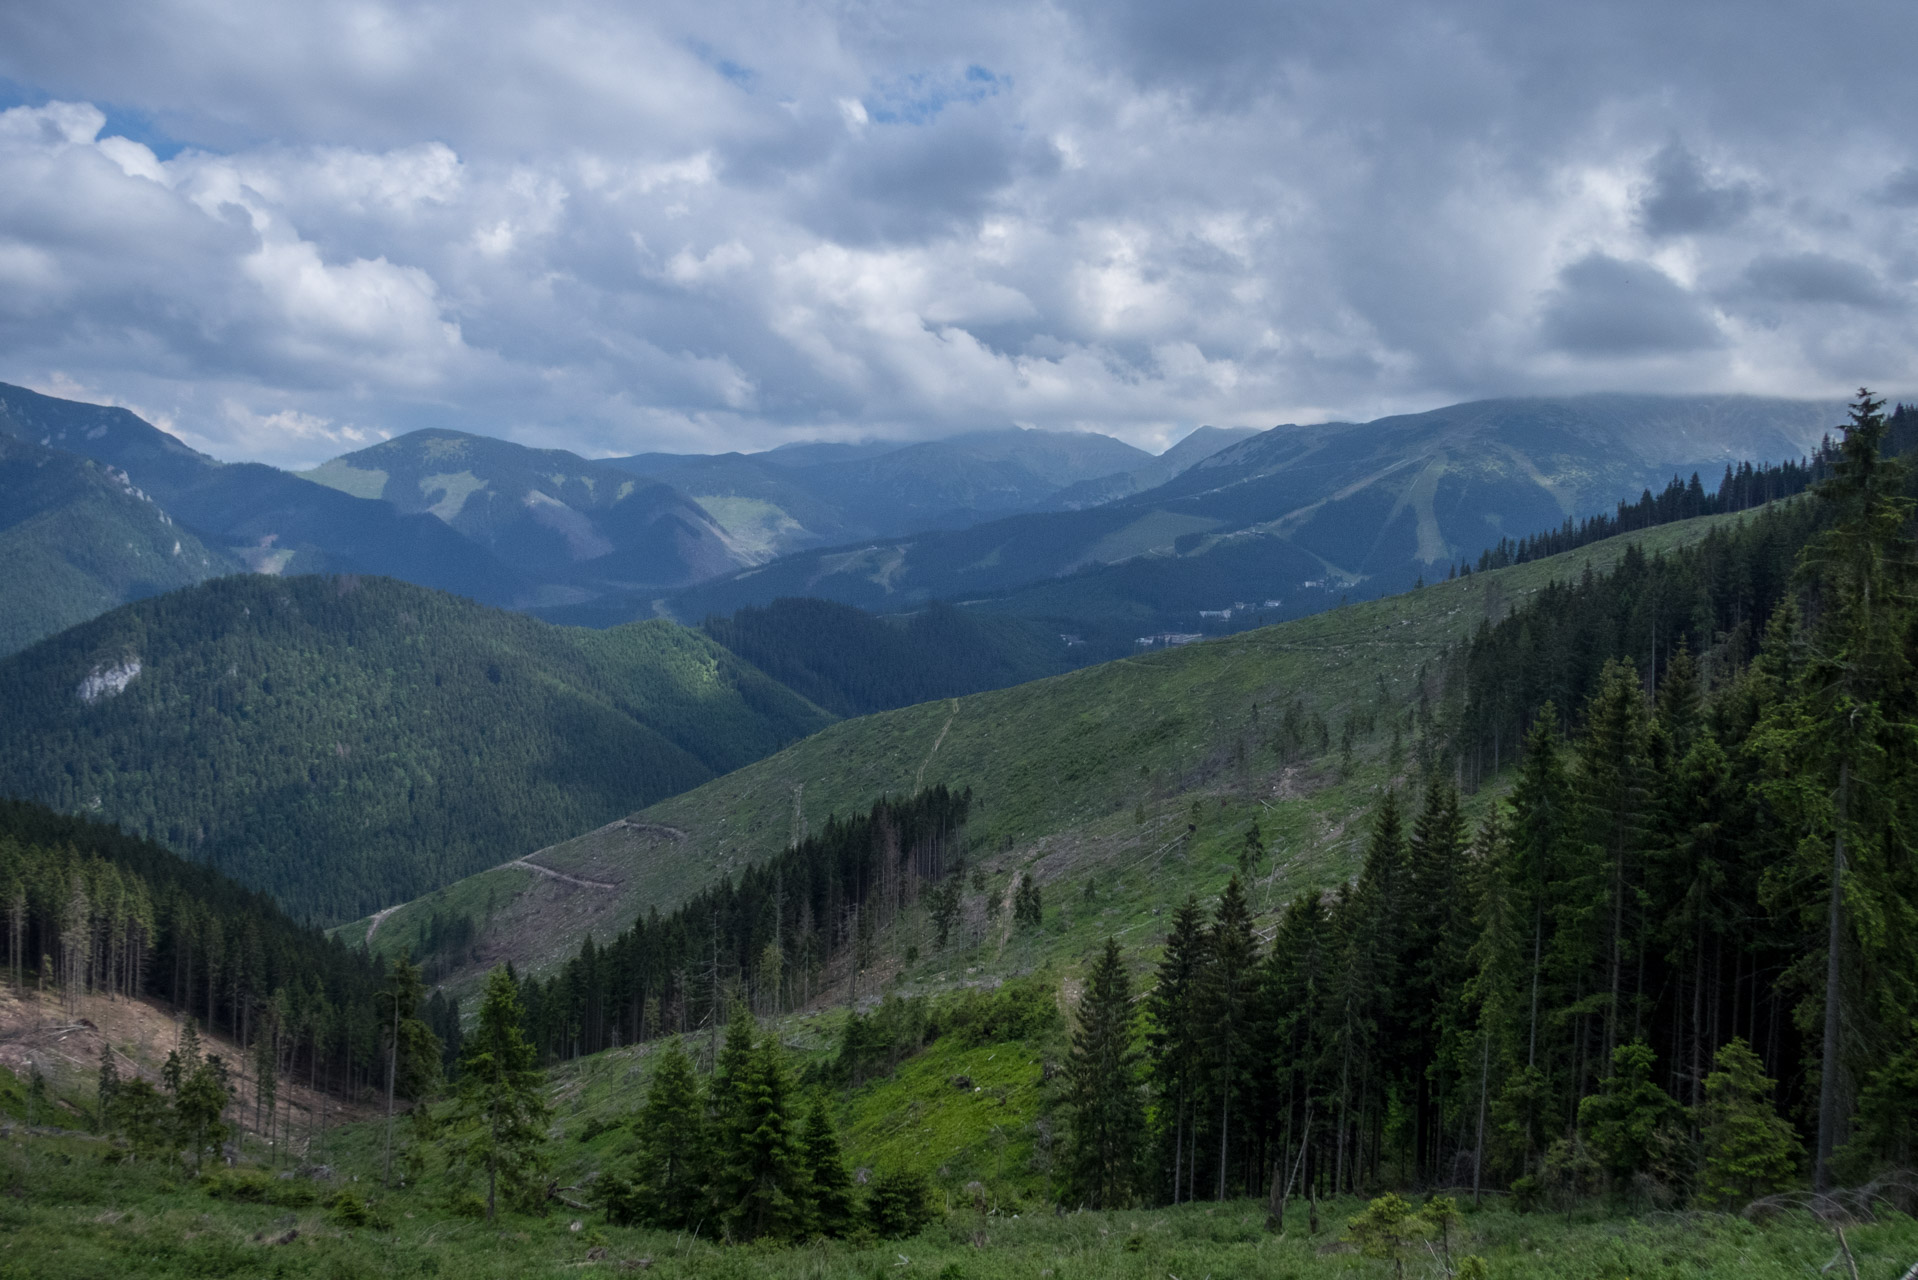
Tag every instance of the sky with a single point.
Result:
(286, 230)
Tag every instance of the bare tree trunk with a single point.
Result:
(1484, 1084)
(1828, 1058)
(392, 1069)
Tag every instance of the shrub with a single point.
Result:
(345, 1209)
(255, 1186)
(899, 1205)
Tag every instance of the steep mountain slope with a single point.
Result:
(573, 527)
(1100, 769)
(274, 521)
(345, 742)
(1300, 515)
(806, 495)
(78, 538)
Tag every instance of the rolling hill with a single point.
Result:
(347, 742)
(1095, 772)
(78, 538)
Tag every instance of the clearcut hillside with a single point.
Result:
(1097, 773)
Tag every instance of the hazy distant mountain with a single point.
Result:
(1297, 515)
(272, 520)
(809, 495)
(77, 538)
(574, 528)
(1201, 444)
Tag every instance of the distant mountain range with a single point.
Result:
(801, 496)
(1280, 524)
(246, 515)
(569, 529)
(504, 524)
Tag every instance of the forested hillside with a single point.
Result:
(852, 663)
(343, 743)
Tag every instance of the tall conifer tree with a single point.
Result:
(499, 1113)
(1102, 1089)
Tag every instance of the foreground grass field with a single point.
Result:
(65, 1215)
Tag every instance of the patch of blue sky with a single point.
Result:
(123, 122)
(920, 97)
(738, 73)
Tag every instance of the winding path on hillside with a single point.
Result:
(919, 779)
(379, 918)
(561, 875)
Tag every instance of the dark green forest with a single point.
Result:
(344, 743)
(853, 664)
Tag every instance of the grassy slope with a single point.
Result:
(1058, 768)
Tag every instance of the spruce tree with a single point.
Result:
(1748, 1151)
(1228, 994)
(1630, 1122)
(1542, 828)
(1436, 938)
(758, 1180)
(824, 1166)
(1493, 993)
(1614, 786)
(1173, 1040)
(1841, 749)
(1102, 1092)
(497, 1124)
(1885, 1130)
(666, 1186)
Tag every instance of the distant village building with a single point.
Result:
(1169, 639)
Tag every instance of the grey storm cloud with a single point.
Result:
(284, 229)
(1683, 198)
(1817, 277)
(1606, 307)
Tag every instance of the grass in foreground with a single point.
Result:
(65, 1213)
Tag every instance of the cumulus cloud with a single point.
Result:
(679, 226)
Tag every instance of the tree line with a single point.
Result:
(1742, 488)
(1680, 960)
(789, 927)
(86, 909)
